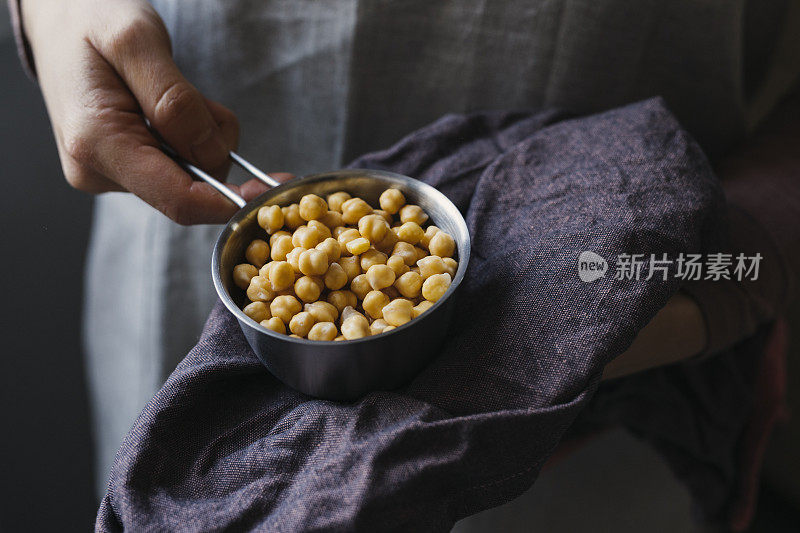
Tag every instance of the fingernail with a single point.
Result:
(211, 152)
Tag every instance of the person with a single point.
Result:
(315, 84)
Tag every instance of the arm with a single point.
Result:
(762, 185)
(677, 332)
(104, 65)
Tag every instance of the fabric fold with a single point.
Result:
(224, 444)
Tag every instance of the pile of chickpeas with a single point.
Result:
(336, 269)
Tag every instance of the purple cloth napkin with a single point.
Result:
(226, 445)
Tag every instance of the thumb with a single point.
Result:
(142, 57)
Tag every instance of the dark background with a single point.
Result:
(46, 478)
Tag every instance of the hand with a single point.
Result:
(102, 66)
(677, 332)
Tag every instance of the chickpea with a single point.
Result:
(353, 209)
(277, 235)
(380, 276)
(312, 207)
(349, 312)
(260, 290)
(406, 251)
(307, 289)
(360, 286)
(307, 237)
(410, 232)
(270, 217)
(264, 270)
(331, 248)
(324, 231)
(283, 245)
(372, 257)
(442, 244)
(435, 287)
(335, 277)
(341, 299)
(431, 265)
(397, 264)
(413, 213)
(430, 231)
(281, 275)
(351, 266)
(373, 227)
(313, 262)
(301, 323)
(285, 307)
(320, 281)
(323, 331)
(336, 200)
(258, 311)
(420, 308)
(242, 274)
(377, 326)
(312, 254)
(387, 243)
(267, 268)
(386, 216)
(355, 327)
(257, 252)
(358, 246)
(391, 200)
(291, 217)
(322, 311)
(451, 265)
(332, 219)
(397, 312)
(409, 284)
(293, 258)
(346, 236)
(373, 303)
(275, 324)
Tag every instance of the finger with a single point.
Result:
(254, 187)
(177, 195)
(85, 178)
(143, 169)
(229, 126)
(251, 189)
(78, 170)
(283, 177)
(227, 122)
(91, 182)
(140, 53)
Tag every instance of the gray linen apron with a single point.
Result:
(316, 82)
